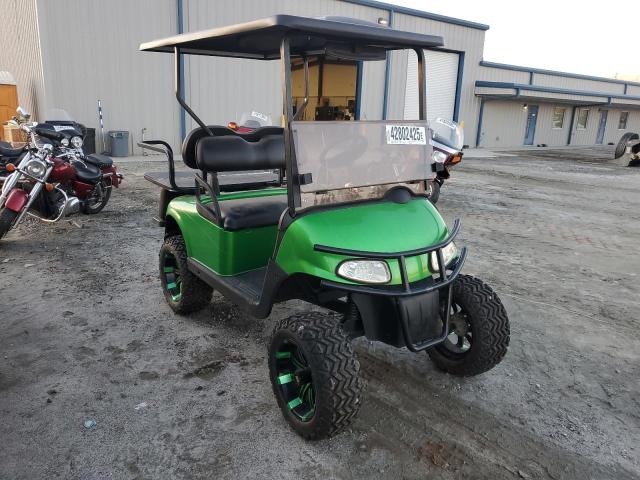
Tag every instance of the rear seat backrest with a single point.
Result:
(192, 139)
(232, 152)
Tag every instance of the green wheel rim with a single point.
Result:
(294, 380)
(171, 275)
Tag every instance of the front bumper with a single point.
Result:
(441, 280)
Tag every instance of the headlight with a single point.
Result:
(448, 253)
(365, 271)
(76, 142)
(65, 142)
(438, 156)
(36, 168)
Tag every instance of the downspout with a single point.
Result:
(573, 117)
(183, 114)
(480, 115)
(387, 76)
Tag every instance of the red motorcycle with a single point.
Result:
(51, 180)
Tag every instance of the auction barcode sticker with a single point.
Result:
(406, 135)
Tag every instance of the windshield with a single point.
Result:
(448, 133)
(255, 119)
(349, 155)
(57, 114)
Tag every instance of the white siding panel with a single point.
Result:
(372, 90)
(588, 135)
(633, 90)
(503, 124)
(545, 133)
(20, 52)
(491, 74)
(577, 83)
(99, 59)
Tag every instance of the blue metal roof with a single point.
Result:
(419, 13)
(565, 91)
(518, 68)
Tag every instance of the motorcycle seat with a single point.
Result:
(100, 161)
(88, 174)
(6, 150)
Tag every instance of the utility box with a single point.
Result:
(118, 143)
(8, 100)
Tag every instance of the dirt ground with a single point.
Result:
(86, 335)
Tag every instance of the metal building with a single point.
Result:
(70, 53)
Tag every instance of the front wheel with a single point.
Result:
(478, 330)
(7, 218)
(315, 374)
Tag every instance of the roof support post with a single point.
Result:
(422, 78)
(293, 186)
(183, 117)
(387, 76)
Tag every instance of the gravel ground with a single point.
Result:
(86, 335)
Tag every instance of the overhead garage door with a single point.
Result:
(442, 75)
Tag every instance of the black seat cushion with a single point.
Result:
(88, 174)
(252, 212)
(191, 140)
(234, 153)
(99, 160)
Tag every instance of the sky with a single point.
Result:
(588, 37)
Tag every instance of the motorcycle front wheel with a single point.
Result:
(98, 198)
(7, 217)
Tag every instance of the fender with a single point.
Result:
(16, 200)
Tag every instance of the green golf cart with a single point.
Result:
(334, 213)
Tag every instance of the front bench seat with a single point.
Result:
(251, 212)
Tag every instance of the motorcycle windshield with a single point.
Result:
(255, 119)
(359, 160)
(57, 115)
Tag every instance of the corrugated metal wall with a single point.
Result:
(97, 57)
(577, 83)
(20, 51)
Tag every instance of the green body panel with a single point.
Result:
(375, 227)
(224, 252)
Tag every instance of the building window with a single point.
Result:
(622, 123)
(558, 117)
(583, 116)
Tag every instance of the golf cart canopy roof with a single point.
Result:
(261, 39)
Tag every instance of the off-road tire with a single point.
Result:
(489, 324)
(87, 210)
(621, 147)
(334, 370)
(7, 217)
(194, 293)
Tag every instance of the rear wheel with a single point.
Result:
(98, 198)
(621, 147)
(315, 374)
(184, 292)
(478, 330)
(7, 217)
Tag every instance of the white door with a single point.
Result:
(442, 75)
